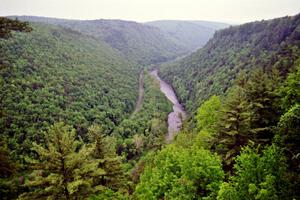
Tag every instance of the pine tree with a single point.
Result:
(105, 152)
(234, 126)
(64, 168)
(261, 97)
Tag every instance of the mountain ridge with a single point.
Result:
(142, 42)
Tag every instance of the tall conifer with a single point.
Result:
(63, 169)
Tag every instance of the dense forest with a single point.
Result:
(70, 128)
(147, 43)
(214, 68)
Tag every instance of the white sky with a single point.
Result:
(232, 11)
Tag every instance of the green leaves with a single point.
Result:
(290, 91)
(208, 114)
(212, 70)
(72, 78)
(146, 129)
(180, 173)
(67, 168)
(257, 176)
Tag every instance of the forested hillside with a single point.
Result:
(140, 43)
(213, 69)
(55, 74)
(148, 43)
(190, 34)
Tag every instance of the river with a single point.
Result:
(176, 117)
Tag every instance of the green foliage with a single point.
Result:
(208, 114)
(288, 128)
(11, 187)
(180, 173)
(64, 168)
(145, 129)
(9, 25)
(288, 138)
(138, 42)
(251, 111)
(207, 118)
(248, 115)
(260, 94)
(110, 195)
(257, 176)
(290, 91)
(61, 74)
(234, 126)
(105, 152)
(57, 74)
(212, 69)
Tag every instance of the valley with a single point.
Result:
(168, 109)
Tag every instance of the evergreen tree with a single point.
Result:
(234, 126)
(261, 97)
(64, 168)
(105, 152)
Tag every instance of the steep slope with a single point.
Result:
(56, 74)
(212, 69)
(141, 43)
(189, 34)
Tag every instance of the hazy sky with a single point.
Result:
(234, 11)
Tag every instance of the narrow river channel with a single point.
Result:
(176, 117)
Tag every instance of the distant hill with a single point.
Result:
(213, 69)
(189, 34)
(138, 42)
(148, 43)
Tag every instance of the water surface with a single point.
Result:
(176, 117)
